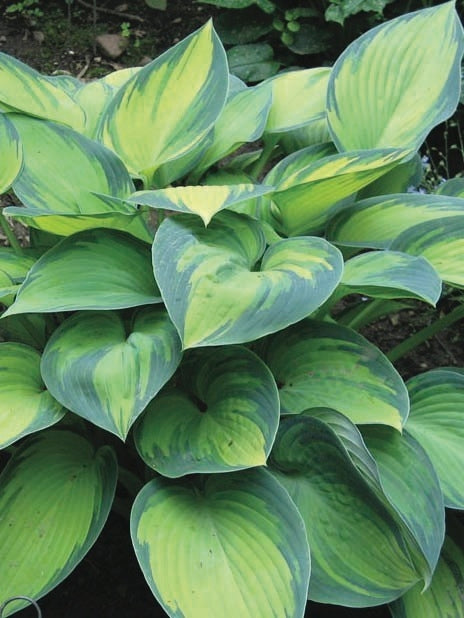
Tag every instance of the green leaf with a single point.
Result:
(215, 293)
(55, 495)
(106, 372)
(221, 416)
(377, 221)
(311, 194)
(454, 187)
(411, 485)
(242, 120)
(187, 86)
(391, 274)
(444, 598)
(400, 179)
(94, 269)
(239, 544)
(202, 200)
(11, 152)
(316, 132)
(298, 98)
(13, 270)
(436, 422)
(397, 103)
(441, 242)
(359, 557)
(25, 405)
(32, 329)
(252, 62)
(25, 90)
(317, 364)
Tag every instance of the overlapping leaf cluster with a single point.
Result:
(288, 458)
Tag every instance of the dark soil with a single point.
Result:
(109, 582)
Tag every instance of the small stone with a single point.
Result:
(3, 39)
(112, 45)
(177, 20)
(38, 36)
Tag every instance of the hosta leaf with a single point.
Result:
(359, 557)
(377, 221)
(316, 132)
(454, 187)
(436, 422)
(221, 416)
(24, 89)
(411, 485)
(391, 274)
(94, 269)
(203, 200)
(222, 545)
(55, 495)
(214, 292)
(308, 197)
(400, 179)
(32, 329)
(188, 87)
(25, 405)
(444, 598)
(252, 62)
(106, 372)
(242, 120)
(13, 269)
(317, 364)
(11, 152)
(397, 104)
(441, 242)
(250, 207)
(77, 165)
(298, 98)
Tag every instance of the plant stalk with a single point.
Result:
(269, 144)
(429, 331)
(13, 241)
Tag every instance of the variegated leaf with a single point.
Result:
(318, 364)
(235, 545)
(359, 556)
(391, 274)
(187, 87)
(378, 221)
(222, 415)
(94, 269)
(55, 495)
(437, 423)
(25, 405)
(310, 195)
(25, 90)
(298, 99)
(454, 187)
(216, 294)
(106, 371)
(441, 242)
(11, 152)
(202, 200)
(401, 179)
(396, 103)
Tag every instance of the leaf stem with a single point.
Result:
(13, 241)
(425, 333)
(269, 144)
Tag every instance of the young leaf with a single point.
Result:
(377, 221)
(436, 422)
(222, 545)
(359, 557)
(211, 287)
(221, 416)
(188, 88)
(397, 104)
(391, 274)
(201, 200)
(25, 405)
(106, 374)
(55, 496)
(317, 364)
(441, 242)
(94, 269)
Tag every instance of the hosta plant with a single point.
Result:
(180, 305)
